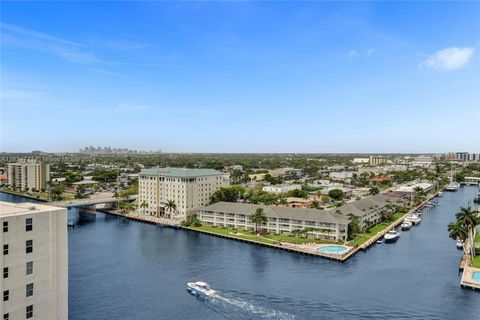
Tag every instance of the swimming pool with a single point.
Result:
(332, 249)
(476, 276)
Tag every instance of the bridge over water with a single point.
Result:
(107, 201)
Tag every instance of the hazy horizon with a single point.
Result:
(241, 77)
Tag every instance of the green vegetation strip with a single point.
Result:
(475, 262)
(267, 238)
(364, 237)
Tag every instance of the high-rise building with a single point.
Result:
(34, 261)
(188, 188)
(373, 160)
(28, 175)
(461, 156)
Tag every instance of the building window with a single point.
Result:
(5, 249)
(29, 314)
(29, 246)
(28, 224)
(5, 273)
(5, 226)
(6, 316)
(6, 294)
(29, 290)
(29, 267)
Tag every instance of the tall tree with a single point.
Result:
(469, 219)
(258, 218)
(457, 231)
(170, 206)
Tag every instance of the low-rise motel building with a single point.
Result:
(187, 188)
(281, 220)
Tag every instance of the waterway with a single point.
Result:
(120, 269)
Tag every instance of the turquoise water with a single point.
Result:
(332, 249)
(476, 276)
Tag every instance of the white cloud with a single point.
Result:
(352, 53)
(370, 52)
(449, 59)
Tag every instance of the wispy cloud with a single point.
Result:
(70, 51)
(449, 59)
(352, 53)
(125, 46)
(37, 35)
(370, 52)
(129, 108)
(16, 95)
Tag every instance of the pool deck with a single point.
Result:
(467, 278)
(305, 249)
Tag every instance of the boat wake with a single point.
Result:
(246, 309)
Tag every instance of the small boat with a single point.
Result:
(392, 236)
(418, 213)
(381, 240)
(440, 194)
(200, 289)
(406, 225)
(414, 219)
(459, 244)
(453, 186)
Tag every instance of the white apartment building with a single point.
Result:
(34, 262)
(281, 220)
(28, 175)
(188, 188)
(281, 188)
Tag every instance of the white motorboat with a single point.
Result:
(200, 289)
(391, 236)
(459, 244)
(453, 186)
(406, 225)
(414, 219)
(440, 194)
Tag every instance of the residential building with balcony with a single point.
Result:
(281, 220)
(28, 175)
(34, 261)
(188, 188)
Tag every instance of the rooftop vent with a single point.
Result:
(31, 208)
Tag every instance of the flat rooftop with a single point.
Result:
(10, 208)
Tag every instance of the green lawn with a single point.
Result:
(363, 237)
(475, 262)
(267, 238)
(477, 238)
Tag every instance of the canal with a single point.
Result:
(120, 269)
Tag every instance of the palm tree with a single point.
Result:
(258, 217)
(314, 204)
(126, 206)
(144, 205)
(171, 206)
(457, 231)
(283, 201)
(374, 191)
(469, 220)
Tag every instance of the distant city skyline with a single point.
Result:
(241, 77)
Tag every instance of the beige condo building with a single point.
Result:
(34, 261)
(188, 188)
(28, 175)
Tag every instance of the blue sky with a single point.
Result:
(241, 76)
